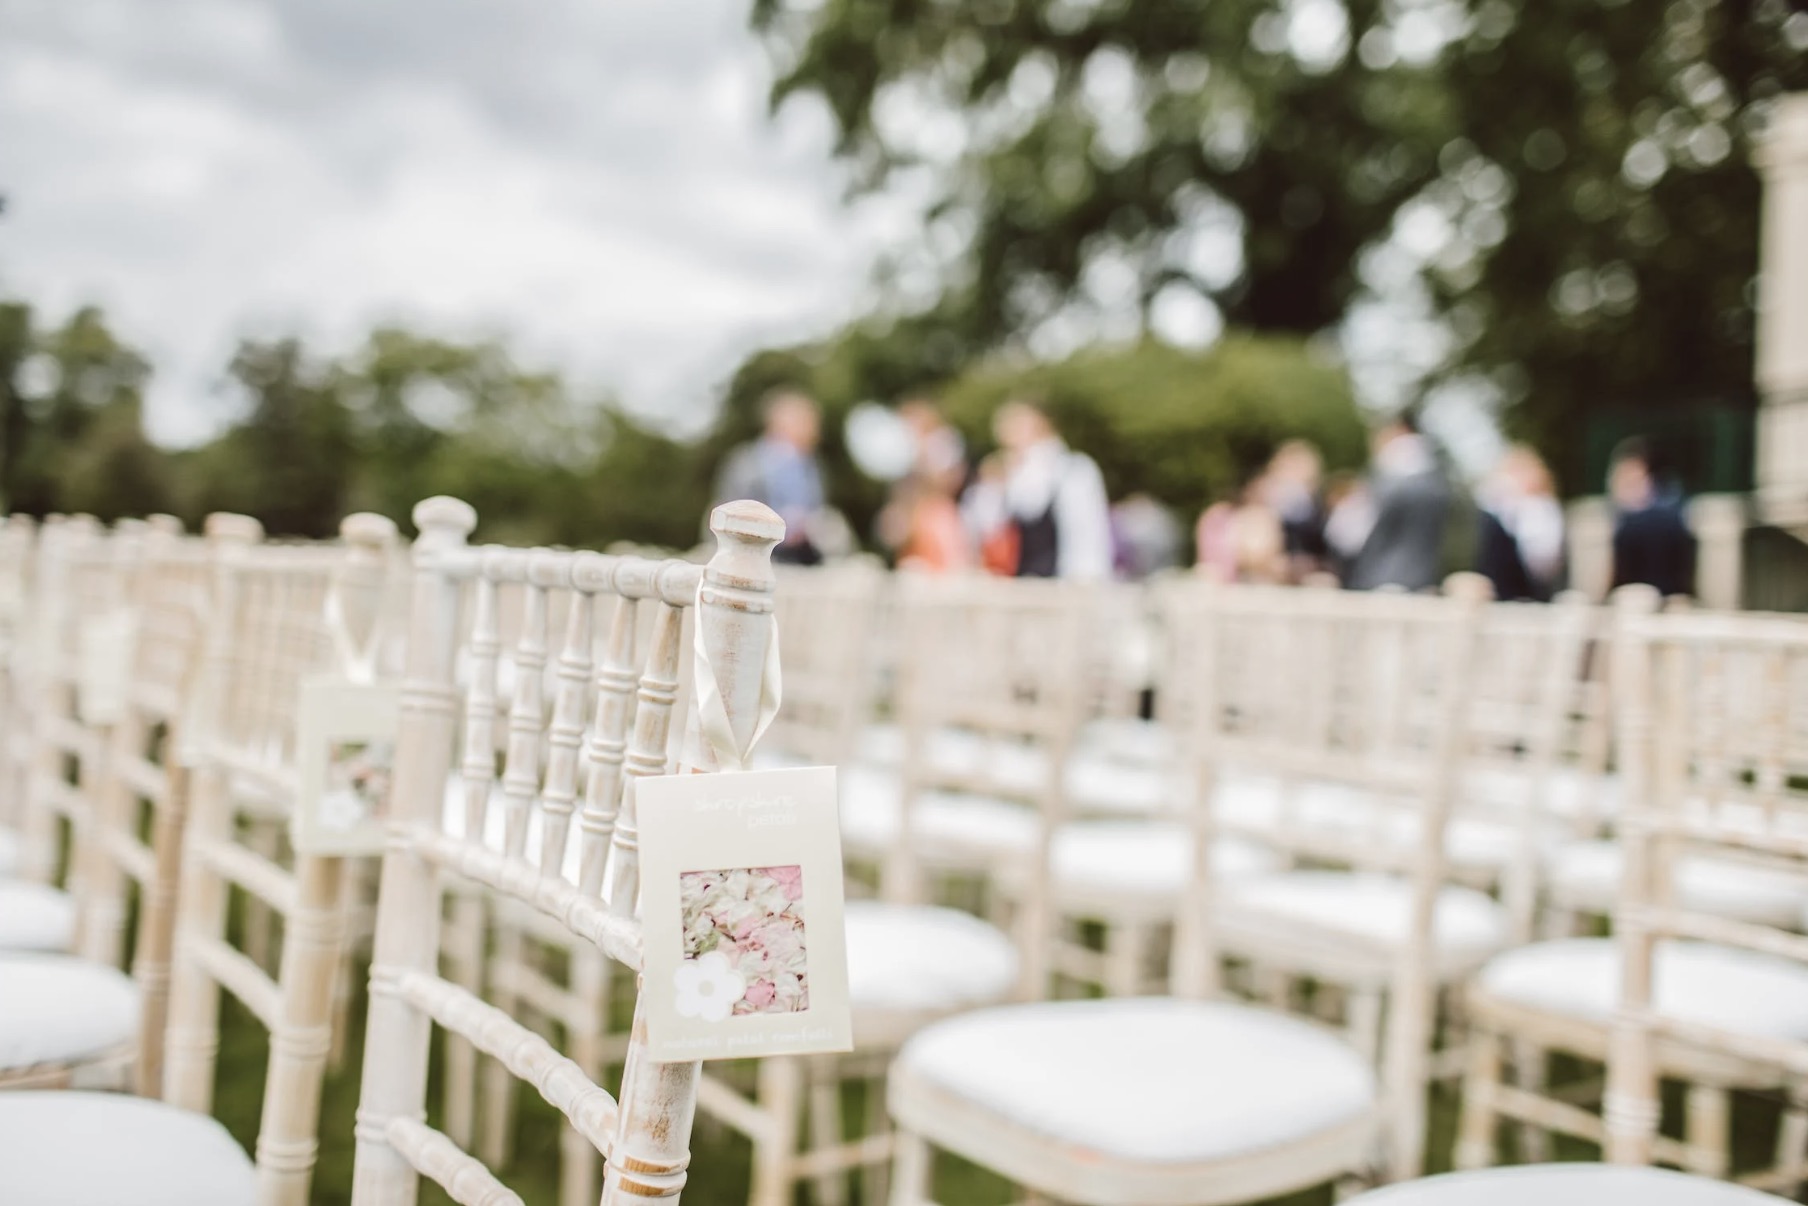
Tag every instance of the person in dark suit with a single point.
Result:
(1411, 503)
(1652, 544)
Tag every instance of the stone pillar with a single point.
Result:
(1782, 359)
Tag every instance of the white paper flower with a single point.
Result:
(708, 987)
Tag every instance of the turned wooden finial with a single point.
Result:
(443, 519)
(365, 530)
(746, 533)
(225, 527)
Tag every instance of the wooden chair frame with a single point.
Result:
(644, 1135)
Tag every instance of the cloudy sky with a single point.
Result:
(600, 182)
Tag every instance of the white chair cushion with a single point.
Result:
(106, 1149)
(881, 745)
(1587, 874)
(1377, 909)
(1148, 1079)
(1252, 803)
(1739, 991)
(56, 1009)
(9, 852)
(1122, 739)
(869, 817)
(919, 958)
(35, 917)
(1569, 793)
(1096, 784)
(1144, 858)
(1565, 1185)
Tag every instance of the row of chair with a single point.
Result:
(222, 632)
(1356, 810)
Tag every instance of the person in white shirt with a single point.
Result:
(1047, 500)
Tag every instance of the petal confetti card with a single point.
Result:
(741, 907)
(345, 752)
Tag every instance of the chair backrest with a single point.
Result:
(275, 614)
(993, 687)
(80, 581)
(1348, 707)
(1712, 715)
(1357, 704)
(139, 802)
(1529, 662)
(826, 626)
(580, 748)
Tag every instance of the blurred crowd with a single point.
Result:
(1036, 507)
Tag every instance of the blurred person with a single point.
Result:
(1037, 507)
(922, 521)
(1519, 545)
(1242, 539)
(1289, 486)
(1651, 542)
(1349, 517)
(1404, 546)
(780, 470)
(1145, 536)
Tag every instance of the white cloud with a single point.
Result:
(601, 183)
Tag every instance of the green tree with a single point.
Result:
(1591, 158)
(291, 460)
(71, 401)
(113, 471)
(1604, 186)
(1088, 130)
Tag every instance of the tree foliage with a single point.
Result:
(401, 418)
(1601, 170)
(1589, 158)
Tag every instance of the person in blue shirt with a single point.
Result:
(780, 470)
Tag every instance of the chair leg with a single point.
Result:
(1476, 1118)
(1271, 986)
(1125, 945)
(263, 837)
(1708, 1116)
(910, 1171)
(580, 1165)
(780, 1093)
(826, 1131)
(1529, 1074)
(1364, 1022)
(876, 1178)
(463, 960)
(288, 1135)
(1792, 1144)
(496, 1105)
(355, 893)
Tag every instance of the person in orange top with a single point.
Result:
(923, 518)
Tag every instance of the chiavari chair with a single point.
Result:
(226, 724)
(280, 614)
(77, 1018)
(911, 961)
(18, 559)
(584, 750)
(1712, 717)
(1190, 1099)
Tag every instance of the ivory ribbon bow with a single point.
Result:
(712, 713)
